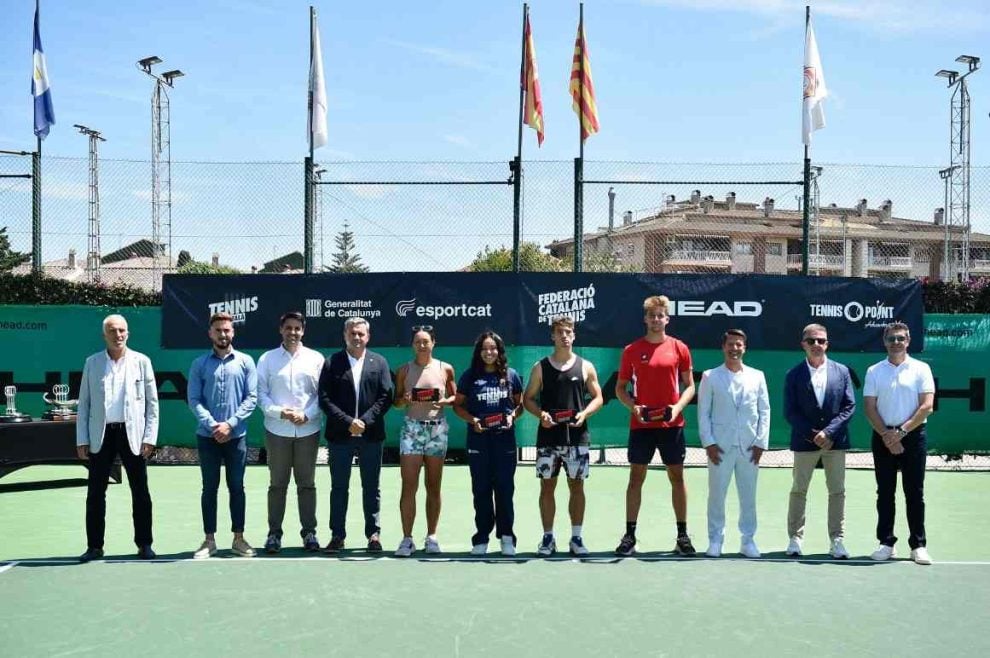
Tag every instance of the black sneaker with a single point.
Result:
(91, 554)
(374, 544)
(626, 547)
(273, 544)
(311, 543)
(336, 545)
(684, 546)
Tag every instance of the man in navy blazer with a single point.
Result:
(355, 391)
(818, 403)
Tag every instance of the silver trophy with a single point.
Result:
(11, 414)
(63, 408)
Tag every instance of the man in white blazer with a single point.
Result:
(734, 424)
(118, 414)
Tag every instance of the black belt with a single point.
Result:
(428, 422)
(116, 426)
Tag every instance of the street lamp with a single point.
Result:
(161, 166)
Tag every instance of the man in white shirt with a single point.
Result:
(899, 395)
(118, 415)
(734, 425)
(287, 394)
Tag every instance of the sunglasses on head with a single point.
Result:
(422, 327)
(896, 339)
(816, 341)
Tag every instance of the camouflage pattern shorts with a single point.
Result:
(574, 459)
(424, 438)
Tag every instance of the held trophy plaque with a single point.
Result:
(64, 408)
(11, 414)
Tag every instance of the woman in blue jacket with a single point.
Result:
(488, 399)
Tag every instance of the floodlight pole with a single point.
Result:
(93, 258)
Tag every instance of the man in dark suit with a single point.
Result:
(355, 391)
(818, 403)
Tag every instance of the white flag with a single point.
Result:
(318, 92)
(814, 88)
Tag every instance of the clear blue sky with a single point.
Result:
(677, 80)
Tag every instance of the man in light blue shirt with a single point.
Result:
(222, 393)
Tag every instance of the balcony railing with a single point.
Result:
(701, 256)
(831, 261)
(894, 262)
(974, 264)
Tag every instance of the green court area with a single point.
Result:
(459, 605)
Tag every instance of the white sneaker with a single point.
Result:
(714, 549)
(207, 549)
(883, 552)
(477, 549)
(577, 547)
(548, 545)
(839, 551)
(406, 547)
(794, 547)
(432, 546)
(508, 546)
(749, 549)
(920, 555)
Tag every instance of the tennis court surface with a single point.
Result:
(459, 605)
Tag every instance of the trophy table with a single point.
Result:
(11, 414)
(63, 409)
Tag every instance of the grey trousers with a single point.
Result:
(834, 463)
(288, 456)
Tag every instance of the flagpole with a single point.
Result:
(308, 185)
(516, 165)
(806, 214)
(36, 265)
(579, 163)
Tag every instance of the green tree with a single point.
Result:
(197, 267)
(531, 259)
(184, 258)
(346, 260)
(9, 259)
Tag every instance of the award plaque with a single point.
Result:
(11, 414)
(655, 414)
(63, 408)
(563, 415)
(494, 422)
(426, 395)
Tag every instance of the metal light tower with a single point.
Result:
(957, 209)
(93, 258)
(161, 168)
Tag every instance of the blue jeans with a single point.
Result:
(369, 454)
(233, 456)
(492, 461)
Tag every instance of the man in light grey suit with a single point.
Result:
(118, 414)
(734, 424)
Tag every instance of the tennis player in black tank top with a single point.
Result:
(563, 392)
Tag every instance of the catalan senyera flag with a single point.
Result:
(582, 88)
(533, 108)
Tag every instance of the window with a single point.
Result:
(775, 249)
(744, 248)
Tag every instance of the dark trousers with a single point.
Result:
(492, 461)
(369, 454)
(115, 443)
(911, 464)
(233, 456)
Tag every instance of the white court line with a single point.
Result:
(495, 558)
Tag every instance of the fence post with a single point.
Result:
(578, 214)
(515, 166)
(308, 217)
(36, 210)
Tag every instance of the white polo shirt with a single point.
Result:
(897, 388)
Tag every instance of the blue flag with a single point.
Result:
(44, 114)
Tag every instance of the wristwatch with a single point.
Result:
(901, 432)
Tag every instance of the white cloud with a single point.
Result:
(458, 140)
(453, 58)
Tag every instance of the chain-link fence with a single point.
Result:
(444, 216)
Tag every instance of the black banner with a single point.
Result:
(606, 307)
